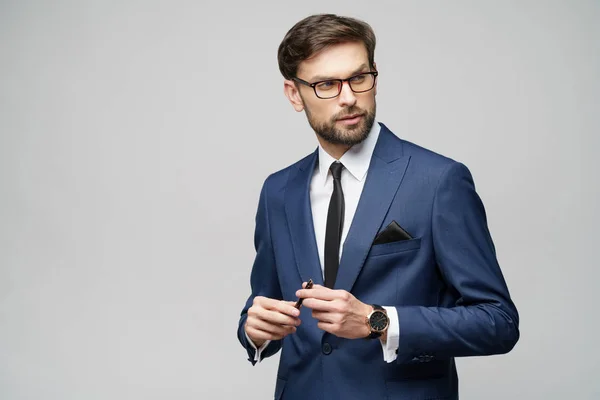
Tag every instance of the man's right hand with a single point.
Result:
(270, 319)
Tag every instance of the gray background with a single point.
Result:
(135, 137)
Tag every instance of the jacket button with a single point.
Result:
(327, 348)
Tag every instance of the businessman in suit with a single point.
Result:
(393, 235)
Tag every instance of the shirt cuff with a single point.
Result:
(258, 351)
(393, 336)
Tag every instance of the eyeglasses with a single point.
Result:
(333, 87)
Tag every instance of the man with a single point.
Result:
(393, 235)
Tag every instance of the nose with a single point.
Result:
(347, 97)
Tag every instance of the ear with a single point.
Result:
(292, 93)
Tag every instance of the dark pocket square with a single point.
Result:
(392, 233)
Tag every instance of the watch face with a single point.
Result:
(378, 321)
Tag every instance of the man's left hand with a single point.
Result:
(338, 311)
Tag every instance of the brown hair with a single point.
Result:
(317, 32)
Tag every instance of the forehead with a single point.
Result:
(337, 61)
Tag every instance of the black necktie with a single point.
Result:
(335, 223)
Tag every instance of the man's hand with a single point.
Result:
(270, 319)
(338, 311)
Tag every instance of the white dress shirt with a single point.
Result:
(356, 165)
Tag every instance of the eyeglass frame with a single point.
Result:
(341, 84)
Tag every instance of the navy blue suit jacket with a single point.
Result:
(446, 284)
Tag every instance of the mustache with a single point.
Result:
(348, 112)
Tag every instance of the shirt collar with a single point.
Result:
(356, 160)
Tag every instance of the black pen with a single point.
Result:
(308, 286)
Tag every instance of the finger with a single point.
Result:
(327, 327)
(278, 318)
(284, 307)
(319, 292)
(319, 305)
(277, 330)
(314, 287)
(262, 335)
(324, 316)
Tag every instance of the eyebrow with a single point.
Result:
(358, 70)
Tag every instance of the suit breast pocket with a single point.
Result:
(395, 247)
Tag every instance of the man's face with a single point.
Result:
(347, 118)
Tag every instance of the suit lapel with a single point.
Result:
(300, 220)
(385, 174)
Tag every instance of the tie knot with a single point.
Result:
(336, 170)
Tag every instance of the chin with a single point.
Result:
(351, 138)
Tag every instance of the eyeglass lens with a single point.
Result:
(359, 83)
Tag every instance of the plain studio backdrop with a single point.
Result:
(135, 137)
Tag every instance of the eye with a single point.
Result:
(358, 78)
(327, 85)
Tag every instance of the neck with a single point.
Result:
(334, 150)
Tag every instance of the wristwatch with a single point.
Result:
(377, 321)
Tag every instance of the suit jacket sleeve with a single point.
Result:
(263, 278)
(483, 320)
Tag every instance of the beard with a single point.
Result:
(345, 135)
